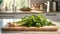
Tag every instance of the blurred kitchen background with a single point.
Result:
(10, 10)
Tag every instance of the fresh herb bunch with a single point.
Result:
(34, 21)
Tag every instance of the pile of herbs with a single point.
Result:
(34, 21)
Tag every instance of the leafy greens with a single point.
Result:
(35, 21)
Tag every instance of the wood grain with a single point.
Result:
(46, 28)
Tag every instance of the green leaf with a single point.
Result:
(35, 20)
(1, 1)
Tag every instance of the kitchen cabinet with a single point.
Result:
(20, 15)
(52, 16)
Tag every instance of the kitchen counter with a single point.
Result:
(27, 12)
(21, 12)
(32, 32)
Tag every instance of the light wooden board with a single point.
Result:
(45, 28)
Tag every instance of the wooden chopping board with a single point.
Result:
(45, 28)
